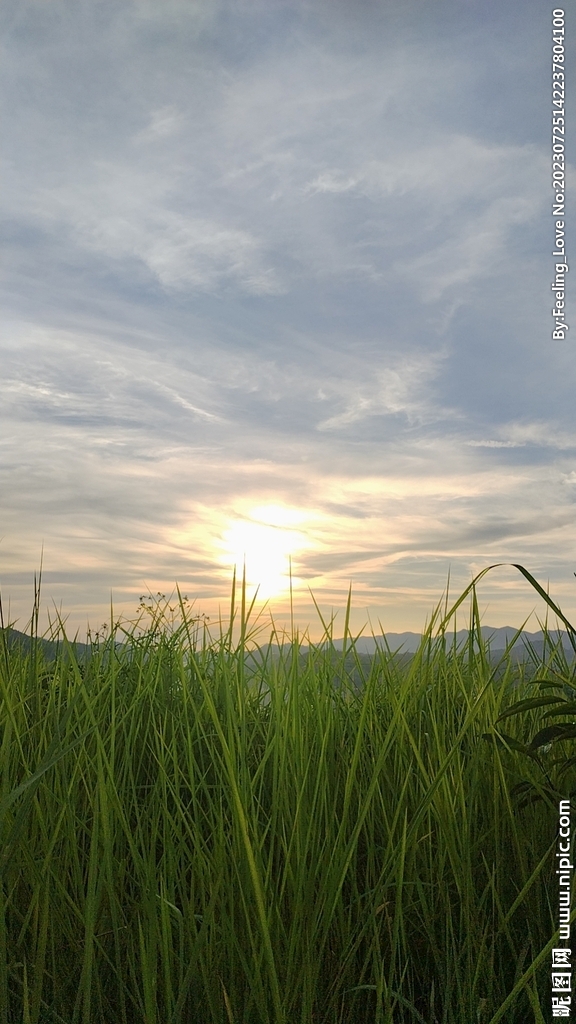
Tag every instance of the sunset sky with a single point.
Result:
(276, 285)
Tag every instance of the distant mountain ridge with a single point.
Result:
(49, 648)
(497, 636)
(407, 643)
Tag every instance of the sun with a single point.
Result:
(261, 544)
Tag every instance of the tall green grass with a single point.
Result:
(299, 836)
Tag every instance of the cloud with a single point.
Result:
(496, 444)
(278, 256)
(164, 122)
(398, 389)
(122, 214)
(520, 435)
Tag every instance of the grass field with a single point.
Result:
(300, 837)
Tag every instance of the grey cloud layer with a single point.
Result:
(257, 253)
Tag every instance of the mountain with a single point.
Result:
(49, 648)
(497, 636)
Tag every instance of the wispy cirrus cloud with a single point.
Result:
(279, 256)
(399, 389)
(539, 434)
(164, 122)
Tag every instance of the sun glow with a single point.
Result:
(262, 544)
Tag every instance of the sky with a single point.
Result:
(276, 293)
